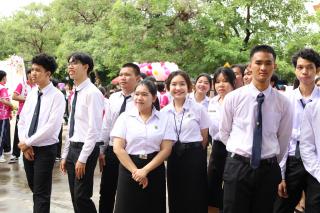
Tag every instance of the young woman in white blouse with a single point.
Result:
(201, 89)
(186, 168)
(223, 82)
(142, 140)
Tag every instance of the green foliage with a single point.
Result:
(198, 35)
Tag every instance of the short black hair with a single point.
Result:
(263, 48)
(242, 67)
(308, 54)
(83, 58)
(46, 61)
(2, 74)
(28, 71)
(135, 68)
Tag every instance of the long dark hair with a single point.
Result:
(152, 89)
(228, 75)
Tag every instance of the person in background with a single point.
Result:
(274, 81)
(201, 89)
(317, 81)
(238, 70)
(247, 78)
(187, 164)
(5, 116)
(20, 95)
(224, 82)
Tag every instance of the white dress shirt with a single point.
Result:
(143, 137)
(214, 111)
(88, 119)
(310, 139)
(111, 114)
(52, 108)
(238, 121)
(193, 118)
(295, 99)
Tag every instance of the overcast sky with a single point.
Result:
(8, 7)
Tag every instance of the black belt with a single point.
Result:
(293, 158)
(243, 159)
(145, 156)
(192, 145)
(80, 144)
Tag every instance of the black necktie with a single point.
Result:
(297, 152)
(73, 110)
(35, 117)
(123, 106)
(257, 135)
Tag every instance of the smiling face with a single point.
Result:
(143, 98)
(262, 66)
(178, 87)
(202, 85)
(77, 71)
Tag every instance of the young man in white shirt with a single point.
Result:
(294, 175)
(309, 151)
(255, 126)
(38, 129)
(109, 163)
(81, 150)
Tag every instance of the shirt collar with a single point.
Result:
(135, 113)
(185, 106)
(256, 92)
(83, 84)
(46, 89)
(315, 93)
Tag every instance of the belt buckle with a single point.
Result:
(143, 156)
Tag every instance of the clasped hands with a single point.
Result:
(140, 176)
(27, 150)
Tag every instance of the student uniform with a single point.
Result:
(218, 156)
(204, 102)
(22, 90)
(250, 184)
(43, 140)
(143, 140)
(86, 117)
(187, 164)
(109, 177)
(310, 154)
(292, 169)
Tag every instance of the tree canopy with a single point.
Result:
(197, 35)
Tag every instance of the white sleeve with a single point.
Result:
(225, 124)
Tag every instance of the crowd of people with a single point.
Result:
(151, 138)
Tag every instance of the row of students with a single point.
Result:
(253, 151)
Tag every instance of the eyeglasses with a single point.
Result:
(72, 63)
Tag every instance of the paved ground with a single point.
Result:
(15, 195)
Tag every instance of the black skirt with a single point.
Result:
(216, 165)
(131, 198)
(187, 180)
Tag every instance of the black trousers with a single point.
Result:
(187, 181)
(312, 195)
(248, 190)
(215, 173)
(109, 182)
(5, 135)
(60, 143)
(296, 181)
(15, 149)
(39, 176)
(81, 190)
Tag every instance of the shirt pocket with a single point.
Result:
(271, 122)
